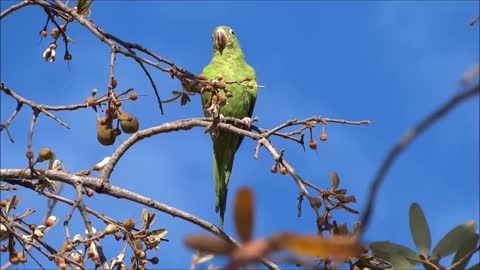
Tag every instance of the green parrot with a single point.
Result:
(229, 61)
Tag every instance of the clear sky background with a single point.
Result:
(390, 62)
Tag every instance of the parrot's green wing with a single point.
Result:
(228, 60)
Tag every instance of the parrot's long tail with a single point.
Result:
(222, 168)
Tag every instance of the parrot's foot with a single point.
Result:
(247, 121)
(222, 118)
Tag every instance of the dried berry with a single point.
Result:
(55, 33)
(91, 101)
(43, 33)
(44, 154)
(154, 260)
(283, 170)
(129, 224)
(313, 144)
(133, 96)
(251, 85)
(67, 56)
(113, 83)
(273, 169)
(323, 136)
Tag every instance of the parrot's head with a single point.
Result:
(224, 39)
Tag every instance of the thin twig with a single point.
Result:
(405, 141)
(8, 175)
(88, 223)
(463, 259)
(14, 8)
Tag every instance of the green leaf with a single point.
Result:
(11, 204)
(420, 230)
(396, 254)
(452, 240)
(147, 218)
(154, 237)
(465, 247)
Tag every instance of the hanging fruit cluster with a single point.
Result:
(216, 87)
(116, 119)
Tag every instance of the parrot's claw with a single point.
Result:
(247, 121)
(222, 118)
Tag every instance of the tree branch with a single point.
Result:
(405, 141)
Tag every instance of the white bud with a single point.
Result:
(101, 164)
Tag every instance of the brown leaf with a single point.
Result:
(249, 252)
(351, 210)
(340, 246)
(184, 100)
(244, 213)
(208, 244)
(335, 181)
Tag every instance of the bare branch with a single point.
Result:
(405, 141)
(9, 175)
(14, 8)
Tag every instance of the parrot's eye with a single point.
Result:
(232, 32)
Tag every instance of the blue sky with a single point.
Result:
(390, 62)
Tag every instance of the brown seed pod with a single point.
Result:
(55, 33)
(208, 87)
(251, 85)
(323, 136)
(29, 154)
(105, 134)
(113, 83)
(128, 122)
(228, 93)
(219, 77)
(91, 101)
(154, 260)
(117, 131)
(43, 33)
(140, 254)
(3, 248)
(67, 56)
(202, 77)
(313, 144)
(90, 193)
(221, 85)
(133, 96)
(129, 224)
(21, 257)
(111, 228)
(14, 260)
(68, 247)
(248, 78)
(283, 170)
(273, 169)
(44, 154)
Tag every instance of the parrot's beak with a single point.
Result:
(221, 38)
